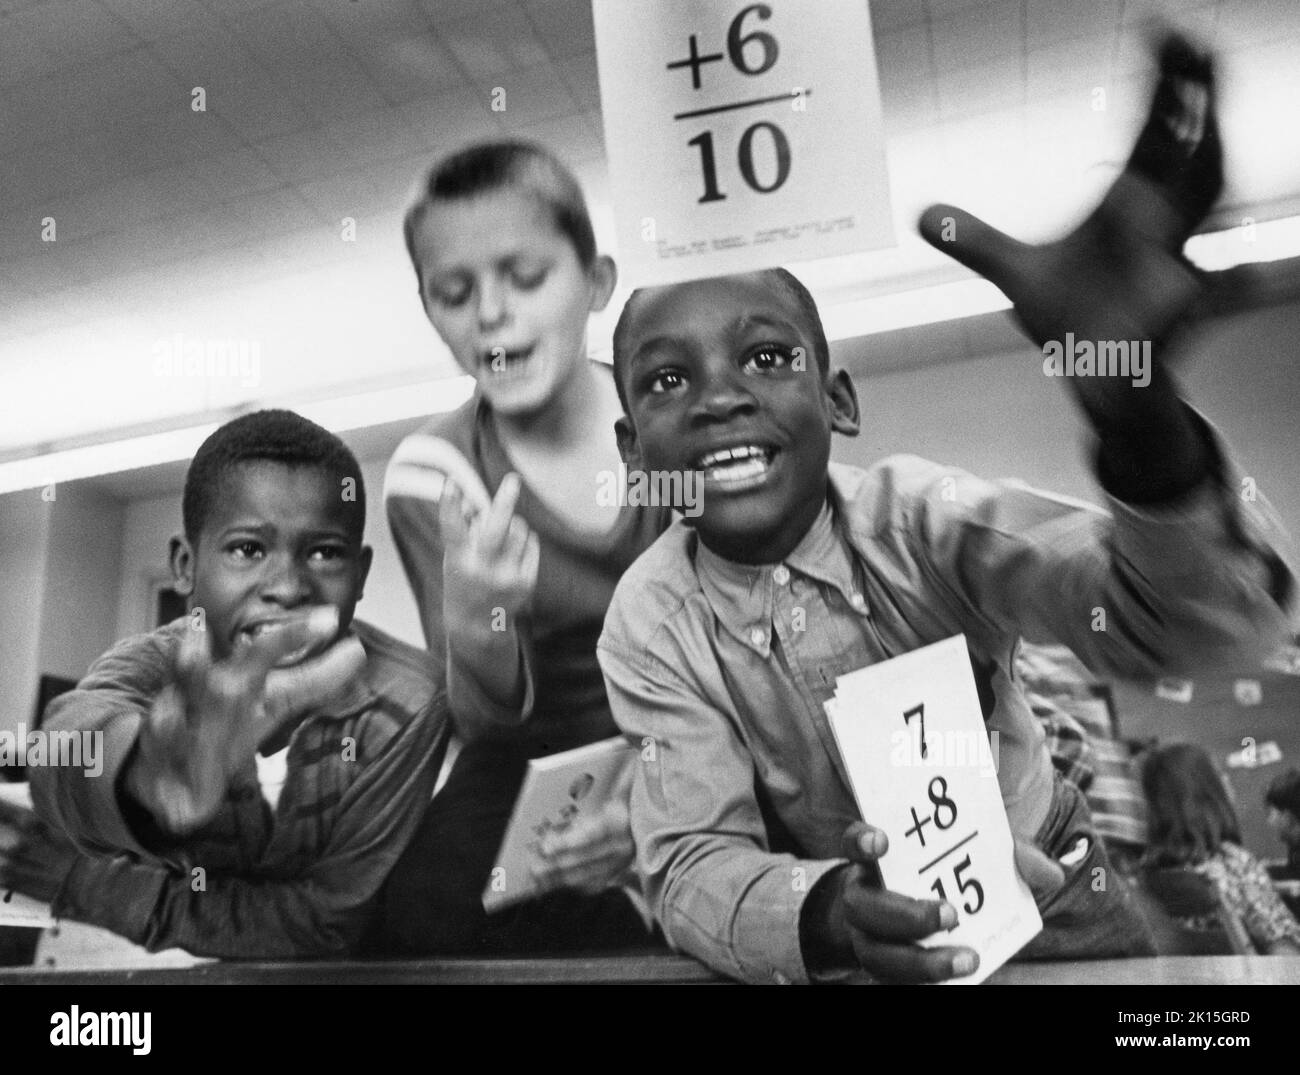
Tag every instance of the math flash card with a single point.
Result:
(913, 740)
(740, 136)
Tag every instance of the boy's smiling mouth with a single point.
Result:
(506, 363)
(740, 466)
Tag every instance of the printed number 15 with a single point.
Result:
(964, 884)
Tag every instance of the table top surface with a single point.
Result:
(648, 968)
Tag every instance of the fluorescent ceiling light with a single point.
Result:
(131, 453)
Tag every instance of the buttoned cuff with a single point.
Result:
(115, 894)
(774, 953)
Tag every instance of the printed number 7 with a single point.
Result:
(964, 884)
(918, 711)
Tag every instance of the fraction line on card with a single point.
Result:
(943, 855)
(803, 92)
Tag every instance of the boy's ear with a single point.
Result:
(364, 561)
(181, 557)
(628, 446)
(604, 277)
(843, 398)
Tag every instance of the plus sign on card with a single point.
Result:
(912, 736)
(740, 136)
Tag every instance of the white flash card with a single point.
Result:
(740, 136)
(913, 740)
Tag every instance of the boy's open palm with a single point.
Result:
(1120, 275)
(491, 560)
(208, 724)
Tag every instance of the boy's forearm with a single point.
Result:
(487, 680)
(1151, 449)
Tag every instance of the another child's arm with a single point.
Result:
(477, 651)
(181, 904)
(172, 730)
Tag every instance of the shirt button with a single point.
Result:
(858, 601)
(758, 636)
(781, 575)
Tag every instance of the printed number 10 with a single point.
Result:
(746, 161)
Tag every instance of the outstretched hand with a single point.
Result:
(1120, 275)
(208, 724)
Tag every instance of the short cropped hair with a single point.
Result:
(1284, 792)
(490, 166)
(781, 278)
(274, 436)
(1190, 812)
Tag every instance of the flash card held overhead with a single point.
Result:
(913, 739)
(733, 143)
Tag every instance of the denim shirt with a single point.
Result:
(719, 670)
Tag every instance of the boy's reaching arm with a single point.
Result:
(323, 911)
(1121, 277)
(172, 727)
(471, 635)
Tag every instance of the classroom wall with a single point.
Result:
(78, 615)
(24, 529)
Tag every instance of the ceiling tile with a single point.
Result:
(889, 15)
(449, 120)
(488, 47)
(151, 19)
(531, 96)
(978, 34)
(903, 56)
(565, 27)
(403, 68)
(580, 75)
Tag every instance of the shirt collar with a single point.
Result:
(742, 595)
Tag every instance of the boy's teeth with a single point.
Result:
(724, 455)
(739, 470)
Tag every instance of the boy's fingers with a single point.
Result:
(299, 633)
(494, 524)
(863, 843)
(912, 963)
(893, 916)
(193, 661)
(1040, 872)
(291, 691)
(451, 515)
(993, 254)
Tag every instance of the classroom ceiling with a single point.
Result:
(174, 224)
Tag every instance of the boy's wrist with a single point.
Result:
(824, 939)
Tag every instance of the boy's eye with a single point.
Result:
(767, 357)
(454, 292)
(528, 277)
(664, 380)
(327, 553)
(244, 550)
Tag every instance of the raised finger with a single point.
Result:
(980, 247)
(892, 916)
(493, 525)
(451, 515)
